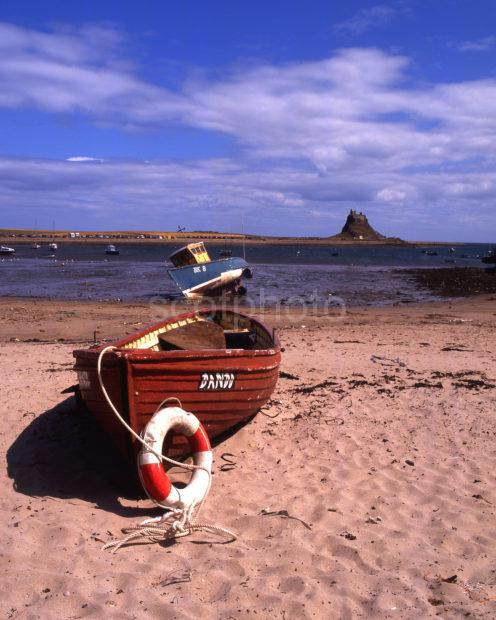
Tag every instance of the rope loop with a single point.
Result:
(162, 529)
(174, 523)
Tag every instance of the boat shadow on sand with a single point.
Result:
(63, 453)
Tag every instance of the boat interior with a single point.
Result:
(204, 330)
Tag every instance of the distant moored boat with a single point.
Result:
(111, 249)
(490, 257)
(5, 250)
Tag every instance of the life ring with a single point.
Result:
(153, 477)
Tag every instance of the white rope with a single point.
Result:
(176, 522)
(133, 433)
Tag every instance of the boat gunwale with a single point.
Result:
(144, 355)
(134, 375)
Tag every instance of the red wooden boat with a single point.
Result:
(222, 365)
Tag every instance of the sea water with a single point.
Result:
(287, 274)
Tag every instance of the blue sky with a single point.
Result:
(152, 114)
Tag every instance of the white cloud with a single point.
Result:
(356, 108)
(280, 199)
(83, 158)
(391, 194)
(66, 71)
(349, 130)
(372, 17)
(478, 45)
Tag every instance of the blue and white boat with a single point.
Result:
(490, 257)
(197, 275)
(111, 249)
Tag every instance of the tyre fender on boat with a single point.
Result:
(153, 477)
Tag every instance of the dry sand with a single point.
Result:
(377, 451)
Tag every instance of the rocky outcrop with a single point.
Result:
(357, 228)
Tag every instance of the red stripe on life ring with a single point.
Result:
(155, 481)
(199, 442)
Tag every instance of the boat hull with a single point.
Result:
(223, 388)
(207, 278)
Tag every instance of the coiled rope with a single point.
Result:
(177, 522)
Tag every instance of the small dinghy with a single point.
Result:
(111, 249)
(222, 366)
(490, 257)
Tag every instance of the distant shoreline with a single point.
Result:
(129, 237)
(212, 241)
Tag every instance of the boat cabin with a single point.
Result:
(191, 254)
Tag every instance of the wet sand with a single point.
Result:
(366, 487)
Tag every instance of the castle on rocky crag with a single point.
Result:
(357, 228)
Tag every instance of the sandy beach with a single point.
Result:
(366, 488)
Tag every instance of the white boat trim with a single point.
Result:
(225, 278)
